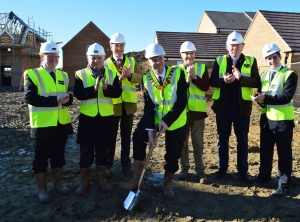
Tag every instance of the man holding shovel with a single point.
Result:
(165, 94)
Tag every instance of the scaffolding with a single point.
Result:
(19, 48)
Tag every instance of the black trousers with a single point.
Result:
(125, 131)
(90, 153)
(50, 148)
(173, 141)
(283, 140)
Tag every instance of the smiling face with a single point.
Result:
(117, 49)
(273, 60)
(157, 64)
(50, 60)
(235, 50)
(96, 62)
(188, 58)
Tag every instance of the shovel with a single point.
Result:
(134, 196)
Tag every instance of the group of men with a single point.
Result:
(175, 104)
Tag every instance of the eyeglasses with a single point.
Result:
(52, 57)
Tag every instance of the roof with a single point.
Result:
(82, 30)
(208, 45)
(287, 25)
(231, 20)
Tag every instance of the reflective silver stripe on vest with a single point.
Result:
(42, 86)
(278, 106)
(84, 80)
(65, 80)
(195, 96)
(198, 74)
(220, 62)
(106, 64)
(278, 85)
(126, 88)
(94, 101)
(40, 109)
(111, 80)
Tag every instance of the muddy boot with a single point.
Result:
(57, 181)
(167, 187)
(42, 187)
(133, 182)
(84, 182)
(183, 174)
(101, 181)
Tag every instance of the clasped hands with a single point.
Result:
(63, 98)
(104, 81)
(191, 73)
(229, 78)
(125, 72)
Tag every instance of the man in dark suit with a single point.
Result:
(275, 95)
(46, 92)
(165, 94)
(233, 76)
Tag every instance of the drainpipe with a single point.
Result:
(286, 58)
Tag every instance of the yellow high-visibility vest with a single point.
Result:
(196, 97)
(48, 116)
(101, 104)
(128, 88)
(164, 99)
(245, 71)
(276, 112)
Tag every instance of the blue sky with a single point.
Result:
(137, 20)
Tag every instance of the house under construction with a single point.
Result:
(19, 49)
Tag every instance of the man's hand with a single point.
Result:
(191, 71)
(162, 127)
(259, 98)
(236, 72)
(228, 78)
(151, 141)
(96, 86)
(105, 83)
(63, 98)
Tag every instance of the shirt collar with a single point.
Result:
(48, 70)
(277, 69)
(162, 74)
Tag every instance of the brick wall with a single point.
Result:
(74, 52)
(206, 25)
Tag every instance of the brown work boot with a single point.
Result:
(101, 181)
(84, 181)
(202, 178)
(42, 187)
(108, 172)
(167, 186)
(57, 181)
(133, 182)
(183, 174)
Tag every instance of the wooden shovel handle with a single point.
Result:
(148, 159)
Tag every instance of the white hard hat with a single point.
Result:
(153, 50)
(49, 47)
(117, 38)
(187, 47)
(235, 38)
(95, 50)
(269, 49)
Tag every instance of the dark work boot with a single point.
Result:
(133, 182)
(42, 187)
(101, 181)
(57, 181)
(84, 181)
(167, 186)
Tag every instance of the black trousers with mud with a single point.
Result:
(173, 142)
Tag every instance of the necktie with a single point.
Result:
(52, 75)
(160, 80)
(272, 75)
(119, 62)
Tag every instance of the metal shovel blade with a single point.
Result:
(132, 199)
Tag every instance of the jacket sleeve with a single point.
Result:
(82, 93)
(287, 95)
(181, 102)
(149, 111)
(202, 83)
(31, 95)
(115, 90)
(214, 80)
(137, 76)
(254, 80)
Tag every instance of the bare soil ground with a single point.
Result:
(226, 200)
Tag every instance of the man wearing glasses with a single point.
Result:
(46, 92)
(233, 76)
